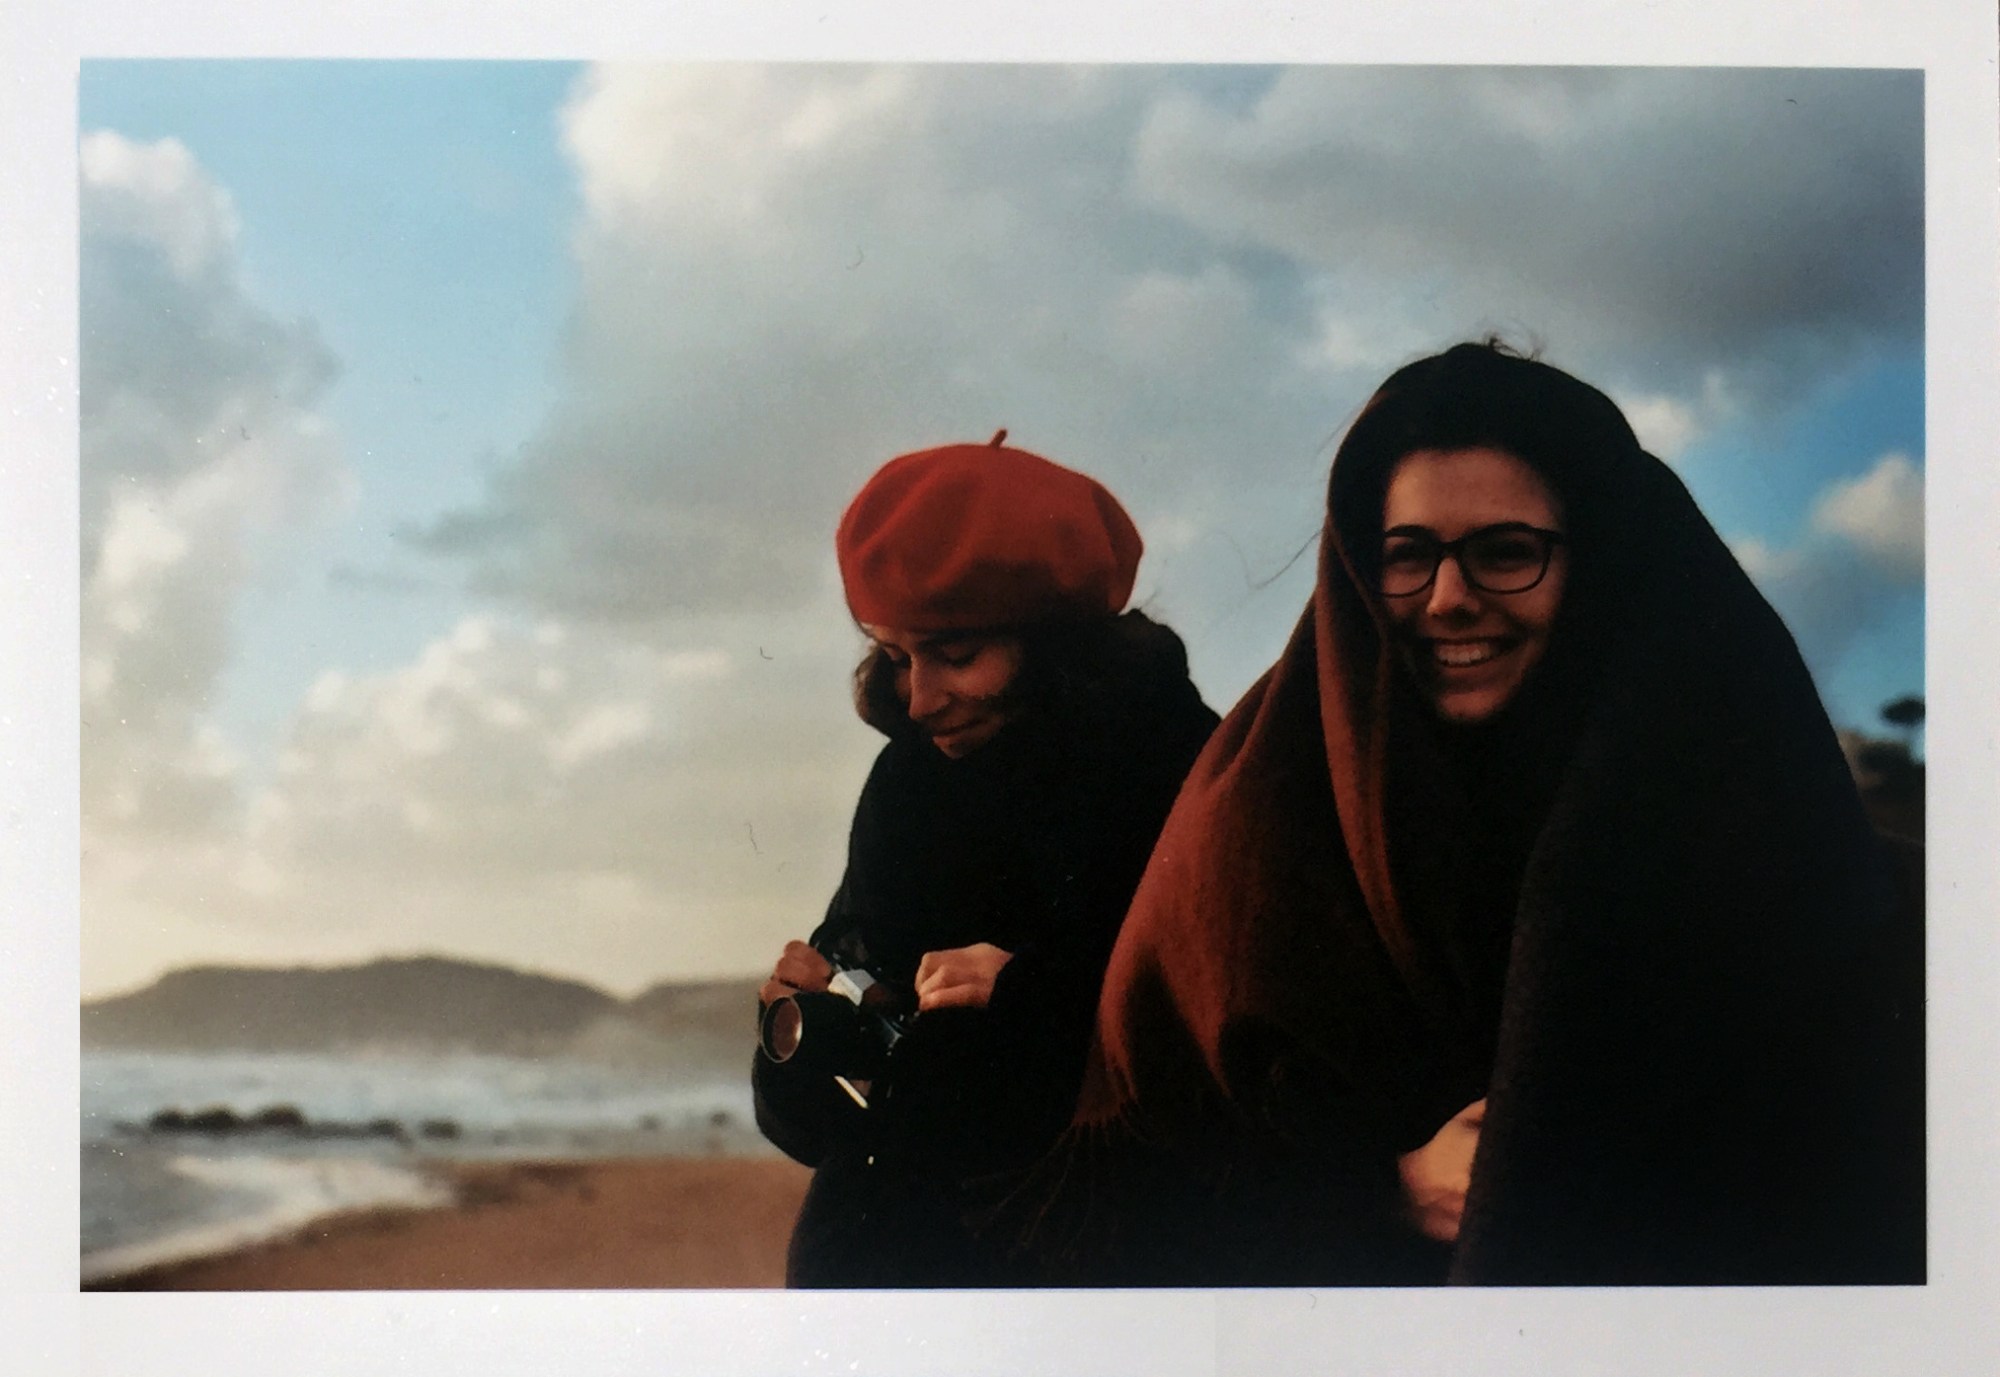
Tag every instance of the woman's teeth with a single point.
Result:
(1460, 654)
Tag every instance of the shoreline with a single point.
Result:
(611, 1223)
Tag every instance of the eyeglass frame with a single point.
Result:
(1454, 551)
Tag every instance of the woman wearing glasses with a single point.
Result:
(1522, 924)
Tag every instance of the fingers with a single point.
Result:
(1442, 1219)
(959, 976)
(804, 951)
(945, 978)
(1437, 1175)
(966, 996)
(937, 973)
(939, 969)
(800, 968)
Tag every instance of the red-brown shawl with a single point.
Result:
(1701, 1063)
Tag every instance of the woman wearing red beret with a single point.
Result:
(1037, 736)
(1522, 924)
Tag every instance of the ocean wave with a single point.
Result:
(285, 1194)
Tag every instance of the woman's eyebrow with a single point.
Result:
(1511, 524)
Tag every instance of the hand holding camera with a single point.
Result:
(799, 969)
(834, 1012)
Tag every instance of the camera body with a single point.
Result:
(846, 1031)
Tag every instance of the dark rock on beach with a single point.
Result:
(217, 1119)
(278, 1117)
(221, 1120)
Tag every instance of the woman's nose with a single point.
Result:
(1449, 591)
(927, 695)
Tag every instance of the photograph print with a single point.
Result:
(728, 675)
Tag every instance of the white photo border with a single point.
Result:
(1941, 1327)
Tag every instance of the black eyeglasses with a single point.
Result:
(1511, 557)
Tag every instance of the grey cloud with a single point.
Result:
(961, 256)
(1662, 221)
(383, 581)
(178, 363)
(198, 444)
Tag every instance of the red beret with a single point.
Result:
(971, 536)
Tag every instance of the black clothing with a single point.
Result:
(1033, 843)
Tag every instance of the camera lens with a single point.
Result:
(783, 1022)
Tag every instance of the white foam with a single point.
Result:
(297, 1192)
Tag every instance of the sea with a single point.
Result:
(151, 1196)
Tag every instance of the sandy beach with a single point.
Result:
(700, 1222)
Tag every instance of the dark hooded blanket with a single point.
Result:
(1642, 914)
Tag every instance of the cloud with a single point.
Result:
(1662, 223)
(1881, 512)
(1669, 425)
(566, 798)
(1858, 560)
(569, 795)
(180, 368)
(156, 194)
(200, 449)
(790, 274)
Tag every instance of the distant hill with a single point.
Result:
(426, 1003)
(675, 1009)
(711, 1022)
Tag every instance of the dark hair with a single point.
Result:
(1078, 672)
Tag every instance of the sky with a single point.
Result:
(462, 443)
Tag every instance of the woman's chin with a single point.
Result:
(964, 741)
(1470, 705)
(1469, 695)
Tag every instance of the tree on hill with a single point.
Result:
(1905, 714)
(1907, 711)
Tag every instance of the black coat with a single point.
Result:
(1033, 843)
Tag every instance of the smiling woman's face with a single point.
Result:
(1471, 650)
(953, 684)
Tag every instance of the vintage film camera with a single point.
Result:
(849, 1030)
